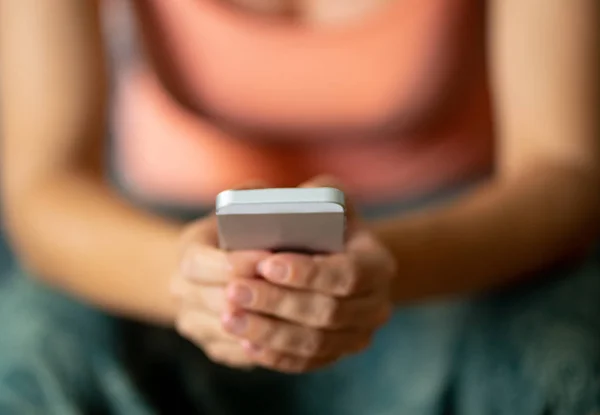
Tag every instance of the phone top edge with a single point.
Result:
(279, 208)
(280, 196)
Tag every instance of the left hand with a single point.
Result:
(309, 311)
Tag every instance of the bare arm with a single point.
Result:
(65, 223)
(544, 199)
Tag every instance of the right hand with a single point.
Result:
(199, 286)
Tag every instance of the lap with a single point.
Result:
(60, 357)
(57, 356)
(531, 350)
(535, 350)
(523, 351)
(407, 370)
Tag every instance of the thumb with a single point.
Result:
(251, 184)
(323, 181)
(331, 181)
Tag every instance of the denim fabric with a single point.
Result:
(531, 350)
(536, 349)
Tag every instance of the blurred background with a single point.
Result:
(6, 258)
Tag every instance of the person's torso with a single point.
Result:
(393, 103)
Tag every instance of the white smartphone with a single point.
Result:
(291, 219)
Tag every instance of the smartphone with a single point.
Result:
(308, 220)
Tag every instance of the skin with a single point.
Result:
(73, 231)
(305, 312)
(312, 11)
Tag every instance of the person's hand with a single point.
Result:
(309, 311)
(199, 286)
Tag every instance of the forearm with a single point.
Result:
(496, 235)
(76, 234)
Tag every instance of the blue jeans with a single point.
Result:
(531, 350)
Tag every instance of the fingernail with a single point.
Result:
(273, 270)
(234, 323)
(240, 294)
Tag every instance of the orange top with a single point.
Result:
(394, 105)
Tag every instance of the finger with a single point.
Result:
(204, 264)
(230, 354)
(210, 298)
(252, 184)
(304, 307)
(371, 256)
(331, 181)
(202, 231)
(323, 180)
(335, 275)
(285, 363)
(244, 264)
(247, 185)
(201, 328)
(291, 338)
(363, 269)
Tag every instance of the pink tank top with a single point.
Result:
(394, 105)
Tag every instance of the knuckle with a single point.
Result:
(294, 364)
(342, 275)
(326, 313)
(286, 362)
(269, 297)
(185, 325)
(295, 340)
(279, 360)
(224, 354)
(213, 352)
(265, 333)
(189, 257)
(303, 307)
(303, 365)
(282, 362)
(347, 278)
(306, 273)
(313, 343)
